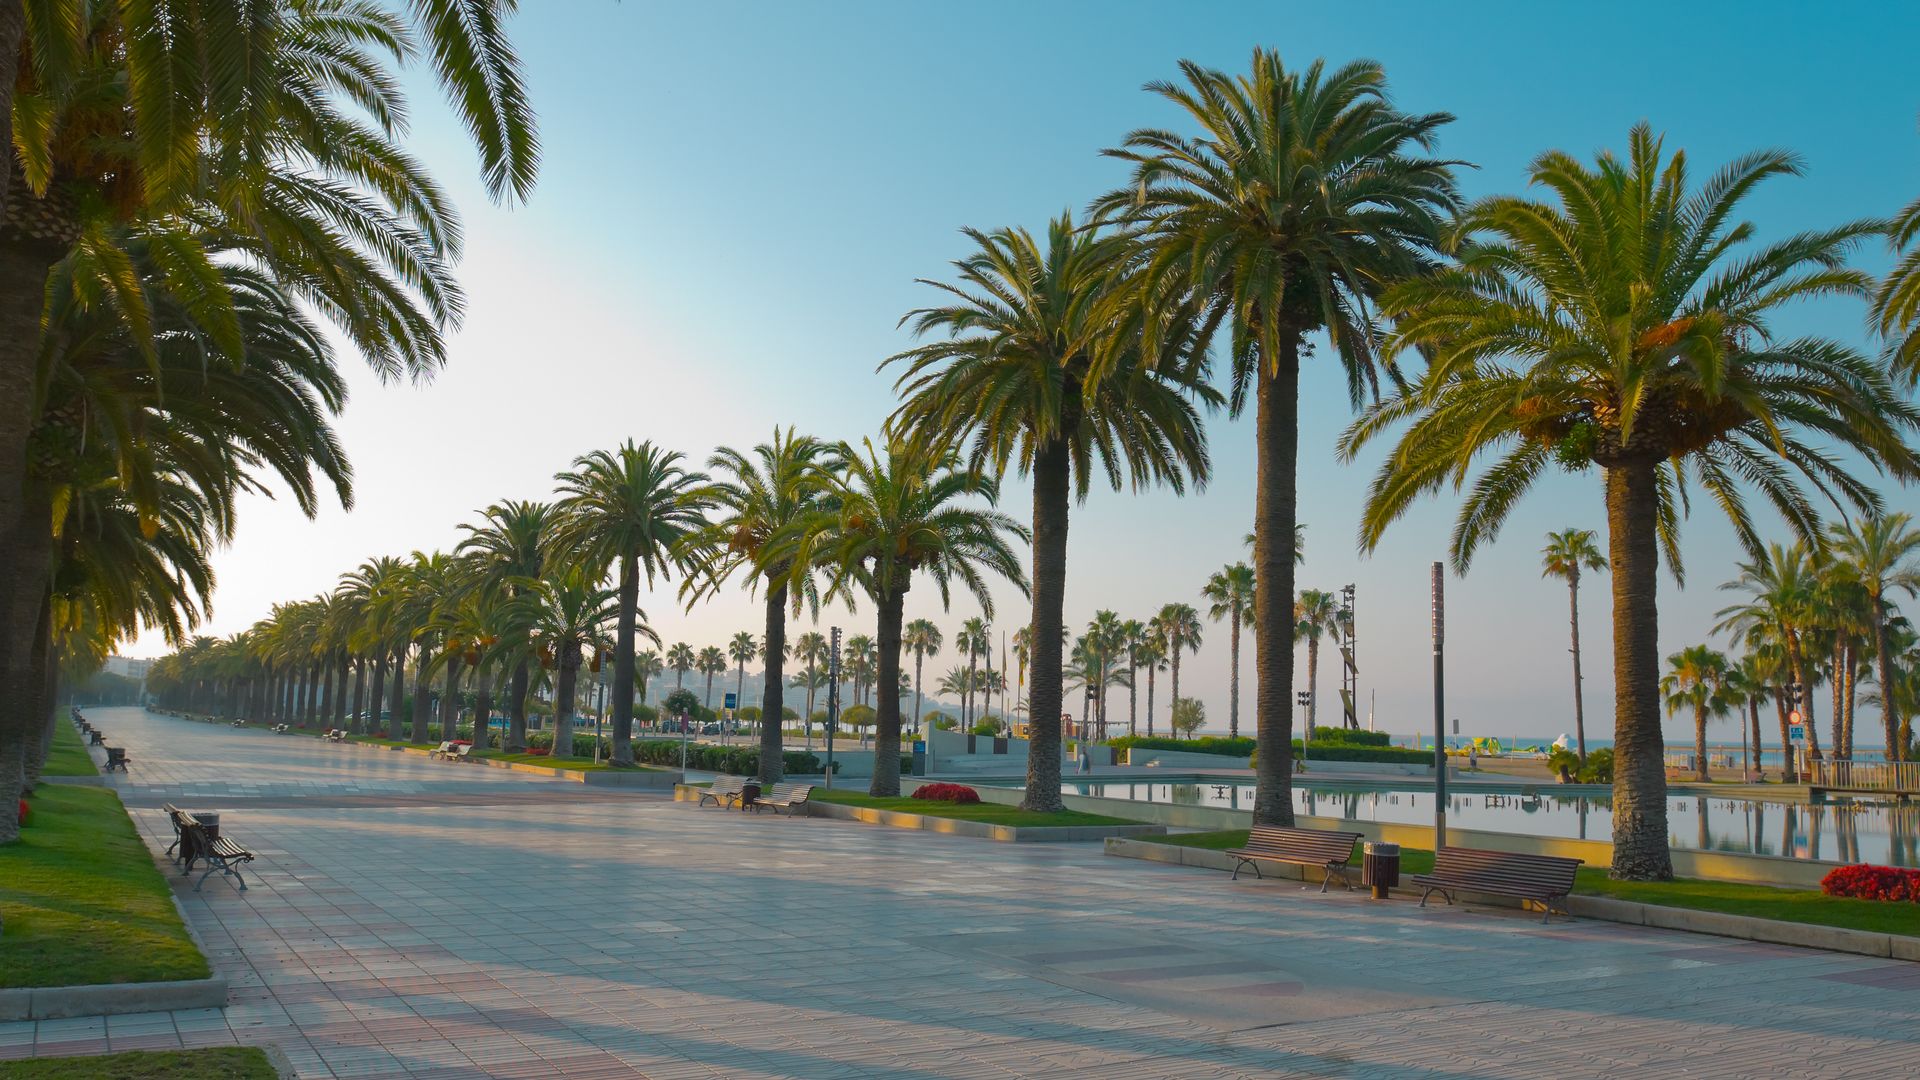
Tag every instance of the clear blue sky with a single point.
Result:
(736, 199)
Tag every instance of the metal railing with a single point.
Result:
(1889, 776)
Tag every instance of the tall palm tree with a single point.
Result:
(635, 510)
(1882, 553)
(1316, 614)
(1656, 363)
(1229, 594)
(1133, 641)
(811, 649)
(972, 641)
(889, 515)
(1151, 655)
(1778, 611)
(1041, 363)
(681, 659)
(922, 638)
(509, 551)
(761, 498)
(1695, 678)
(1567, 553)
(1106, 647)
(646, 665)
(1304, 194)
(711, 661)
(857, 664)
(569, 612)
(742, 648)
(1896, 299)
(1178, 625)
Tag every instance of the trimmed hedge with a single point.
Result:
(1320, 751)
(1212, 744)
(1351, 737)
(736, 760)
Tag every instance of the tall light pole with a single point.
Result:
(1349, 664)
(1439, 707)
(1305, 700)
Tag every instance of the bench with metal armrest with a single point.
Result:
(1540, 878)
(1331, 852)
(198, 843)
(784, 798)
(726, 791)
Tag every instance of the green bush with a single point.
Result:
(987, 727)
(1320, 751)
(645, 714)
(749, 714)
(1211, 744)
(1599, 767)
(737, 760)
(1351, 737)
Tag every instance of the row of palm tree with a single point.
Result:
(185, 191)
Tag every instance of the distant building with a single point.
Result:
(128, 667)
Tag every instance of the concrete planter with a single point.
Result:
(1606, 909)
(55, 1002)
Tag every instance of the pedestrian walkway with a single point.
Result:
(620, 935)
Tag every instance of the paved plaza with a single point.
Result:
(414, 918)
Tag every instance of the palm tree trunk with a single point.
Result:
(773, 703)
(374, 700)
(450, 701)
(1277, 438)
(1150, 682)
(1173, 692)
(1853, 693)
(1050, 507)
(1893, 726)
(623, 661)
(483, 705)
(1791, 772)
(1753, 716)
(517, 708)
(1700, 743)
(1133, 699)
(709, 691)
(919, 664)
(420, 694)
(1799, 661)
(1233, 680)
(565, 683)
(39, 700)
(1313, 683)
(1839, 697)
(1579, 691)
(1639, 778)
(886, 740)
(332, 703)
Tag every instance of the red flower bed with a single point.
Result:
(953, 793)
(1866, 882)
(23, 813)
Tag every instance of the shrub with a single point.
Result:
(1212, 744)
(1866, 882)
(749, 714)
(987, 727)
(953, 793)
(1599, 767)
(1351, 737)
(737, 760)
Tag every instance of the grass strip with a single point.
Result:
(68, 755)
(212, 1063)
(990, 813)
(83, 901)
(1808, 906)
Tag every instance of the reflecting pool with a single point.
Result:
(1840, 831)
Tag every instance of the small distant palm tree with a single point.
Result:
(1882, 553)
(1178, 625)
(1567, 553)
(646, 665)
(1695, 678)
(810, 648)
(1779, 611)
(971, 641)
(1229, 594)
(741, 649)
(509, 550)
(1151, 656)
(569, 613)
(711, 661)
(922, 638)
(855, 664)
(682, 660)
(1133, 638)
(1316, 614)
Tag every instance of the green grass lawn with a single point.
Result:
(577, 764)
(991, 813)
(84, 903)
(68, 756)
(213, 1063)
(1729, 897)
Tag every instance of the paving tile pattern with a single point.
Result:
(442, 932)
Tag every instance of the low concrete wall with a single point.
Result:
(55, 1002)
(1185, 759)
(978, 829)
(1608, 909)
(1710, 865)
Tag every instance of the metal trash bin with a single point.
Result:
(1380, 867)
(210, 820)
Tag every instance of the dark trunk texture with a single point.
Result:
(1579, 690)
(623, 661)
(450, 699)
(517, 709)
(773, 700)
(886, 742)
(483, 705)
(566, 681)
(1277, 439)
(1052, 474)
(1640, 850)
(422, 699)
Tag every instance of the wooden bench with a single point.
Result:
(445, 749)
(335, 735)
(220, 853)
(94, 738)
(237, 723)
(1540, 878)
(784, 797)
(725, 791)
(116, 759)
(1331, 852)
(176, 850)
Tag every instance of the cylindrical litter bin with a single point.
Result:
(1380, 867)
(210, 820)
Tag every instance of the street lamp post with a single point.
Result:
(1305, 701)
(1439, 707)
(833, 696)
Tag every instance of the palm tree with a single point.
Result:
(1305, 194)
(1743, 687)
(681, 659)
(635, 509)
(569, 612)
(1316, 614)
(1896, 299)
(1229, 593)
(508, 551)
(1779, 584)
(890, 515)
(857, 664)
(741, 649)
(1178, 625)
(1133, 641)
(1882, 553)
(1151, 655)
(972, 641)
(761, 498)
(1655, 363)
(1567, 553)
(1042, 364)
(1106, 647)
(645, 666)
(1696, 676)
(711, 661)
(811, 649)
(921, 638)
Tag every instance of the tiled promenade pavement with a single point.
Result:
(458, 926)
